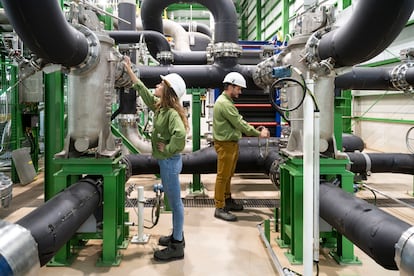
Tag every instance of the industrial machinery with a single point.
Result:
(104, 141)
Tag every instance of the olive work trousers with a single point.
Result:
(227, 155)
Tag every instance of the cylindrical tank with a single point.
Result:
(88, 100)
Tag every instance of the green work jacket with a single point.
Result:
(228, 124)
(168, 126)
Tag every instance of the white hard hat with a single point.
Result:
(235, 78)
(176, 82)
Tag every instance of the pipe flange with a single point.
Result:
(404, 252)
(398, 79)
(226, 49)
(311, 48)
(94, 48)
(367, 163)
(165, 57)
(128, 120)
(312, 58)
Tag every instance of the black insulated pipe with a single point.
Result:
(157, 43)
(253, 158)
(374, 231)
(381, 162)
(372, 27)
(58, 219)
(213, 75)
(45, 31)
(363, 78)
(224, 13)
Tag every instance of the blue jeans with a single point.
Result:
(170, 170)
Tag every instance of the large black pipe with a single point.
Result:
(157, 43)
(374, 231)
(213, 75)
(372, 27)
(381, 162)
(224, 13)
(58, 219)
(363, 78)
(253, 158)
(44, 30)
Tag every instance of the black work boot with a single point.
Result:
(224, 214)
(174, 251)
(231, 205)
(165, 240)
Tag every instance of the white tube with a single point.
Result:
(308, 170)
(316, 181)
(140, 238)
(140, 212)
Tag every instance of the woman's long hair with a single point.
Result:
(169, 99)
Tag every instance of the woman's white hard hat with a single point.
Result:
(176, 82)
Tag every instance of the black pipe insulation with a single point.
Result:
(381, 162)
(374, 231)
(224, 13)
(351, 143)
(252, 159)
(364, 78)
(371, 28)
(157, 43)
(199, 27)
(213, 75)
(36, 24)
(378, 78)
(58, 219)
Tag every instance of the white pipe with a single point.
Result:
(140, 212)
(308, 170)
(140, 238)
(316, 181)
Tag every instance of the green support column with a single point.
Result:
(291, 205)
(54, 130)
(196, 187)
(16, 119)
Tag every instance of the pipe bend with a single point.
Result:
(372, 27)
(36, 24)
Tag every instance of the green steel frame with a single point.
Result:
(115, 232)
(291, 208)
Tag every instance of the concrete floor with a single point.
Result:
(213, 247)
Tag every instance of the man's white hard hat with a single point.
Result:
(235, 78)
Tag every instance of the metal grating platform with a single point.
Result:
(209, 202)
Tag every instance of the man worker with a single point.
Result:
(228, 126)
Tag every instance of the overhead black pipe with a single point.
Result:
(381, 162)
(157, 43)
(372, 27)
(213, 75)
(224, 13)
(57, 220)
(374, 231)
(36, 24)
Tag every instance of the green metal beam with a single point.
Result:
(384, 120)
